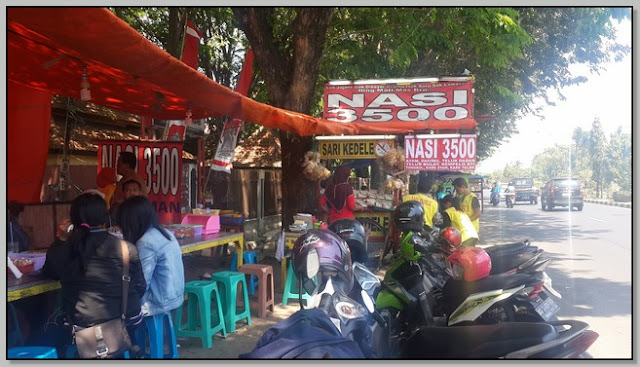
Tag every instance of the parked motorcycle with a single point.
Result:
(557, 339)
(420, 287)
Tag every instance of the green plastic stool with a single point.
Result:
(291, 288)
(228, 284)
(199, 324)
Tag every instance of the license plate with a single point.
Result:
(566, 194)
(546, 307)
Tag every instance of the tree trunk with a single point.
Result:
(290, 77)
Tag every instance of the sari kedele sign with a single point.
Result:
(354, 149)
(159, 164)
(426, 99)
(440, 154)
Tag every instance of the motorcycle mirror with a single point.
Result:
(313, 263)
(368, 302)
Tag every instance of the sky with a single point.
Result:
(607, 96)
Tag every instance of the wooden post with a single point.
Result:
(201, 171)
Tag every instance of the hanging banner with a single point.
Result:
(229, 138)
(396, 100)
(440, 153)
(354, 149)
(159, 165)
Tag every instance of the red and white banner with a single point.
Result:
(229, 138)
(440, 153)
(159, 164)
(425, 99)
(192, 38)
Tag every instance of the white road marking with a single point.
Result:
(599, 220)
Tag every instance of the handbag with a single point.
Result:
(108, 339)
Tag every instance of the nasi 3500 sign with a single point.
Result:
(399, 101)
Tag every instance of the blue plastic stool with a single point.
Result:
(32, 353)
(248, 257)
(153, 330)
(228, 284)
(199, 314)
(291, 288)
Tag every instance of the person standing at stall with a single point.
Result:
(106, 181)
(126, 166)
(338, 199)
(468, 201)
(89, 266)
(453, 216)
(429, 205)
(16, 236)
(159, 254)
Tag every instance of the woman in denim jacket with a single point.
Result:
(159, 254)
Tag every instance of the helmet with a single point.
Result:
(333, 255)
(450, 239)
(409, 216)
(354, 234)
(469, 263)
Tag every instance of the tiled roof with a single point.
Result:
(85, 136)
(260, 150)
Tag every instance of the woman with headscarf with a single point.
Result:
(338, 199)
(106, 181)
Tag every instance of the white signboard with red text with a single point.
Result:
(424, 99)
(159, 164)
(444, 153)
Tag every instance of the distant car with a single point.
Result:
(525, 191)
(562, 191)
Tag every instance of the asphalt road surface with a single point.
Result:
(591, 264)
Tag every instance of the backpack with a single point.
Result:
(307, 334)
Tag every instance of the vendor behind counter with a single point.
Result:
(338, 199)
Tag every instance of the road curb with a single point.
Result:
(608, 202)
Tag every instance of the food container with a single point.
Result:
(25, 266)
(38, 258)
(209, 223)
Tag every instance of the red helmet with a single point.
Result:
(450, 239)
(469, 263)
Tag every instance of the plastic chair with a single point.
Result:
(291, 288)
(248, 257)
(264, 273)
(153, 327)
(199, 314)
(32, 353)
(228, 284)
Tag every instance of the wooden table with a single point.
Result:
(31, 285)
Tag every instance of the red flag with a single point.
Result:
(191, 43)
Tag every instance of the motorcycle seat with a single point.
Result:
(477, 341)
(456, 291)
(501, 250)
(502, 264)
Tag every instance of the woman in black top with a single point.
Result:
(89, 267)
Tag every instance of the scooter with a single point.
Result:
(495, 199)
(557, 339)
(417, 288)
(510, 199)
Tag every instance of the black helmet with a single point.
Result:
(409, 216)
(354, 234)
(333, 256)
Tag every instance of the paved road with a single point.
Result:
(591, 266)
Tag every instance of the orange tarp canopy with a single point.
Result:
(47, 49)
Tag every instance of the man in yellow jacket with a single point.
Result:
(429, 205)
(453, 216)
(468, 201)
